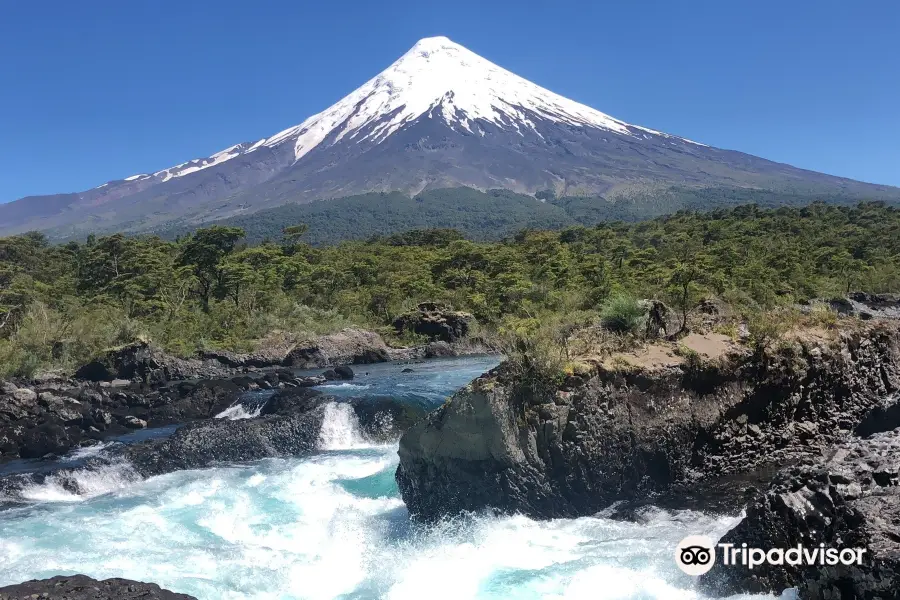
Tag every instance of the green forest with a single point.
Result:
(493, 214)
(61, 304)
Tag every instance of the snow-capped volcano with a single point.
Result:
(442, 79)
(436, 78)
(439, 116)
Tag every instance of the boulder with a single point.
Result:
(145, 363)
(100, 418)
(41, 440)
(133, 422)
(244, 382)
(82, 587)
(293, 432)
(435, 321)
(137, 360)
(344, 372)
(189, 400)
(439, 349)
(291, 400)
(350, 346)
(24, 395)
(383, 418)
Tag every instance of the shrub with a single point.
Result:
(623, 314)
(823, 316)
(532, 350)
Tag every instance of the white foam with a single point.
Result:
(87, 483)
(340, 429)
(238, 411)
(345, 385)
(293, 528)
(86, 452)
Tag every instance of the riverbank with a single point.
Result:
(138, 386)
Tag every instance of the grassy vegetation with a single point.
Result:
(539, 290)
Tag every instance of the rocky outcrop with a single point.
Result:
(440, 349)
(51, 420)
(350, 346)
(142, 361)
(435, 321)
(291, 429)
(82, 587)
(867, 306)
(851, 499)
(549, 450)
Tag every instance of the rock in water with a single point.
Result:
(294, 431)
(350, 346)
(134, 423)
(851, 500)
(439, 349)
(82, 587)
(344, 372)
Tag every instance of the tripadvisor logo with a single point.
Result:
(696, 555)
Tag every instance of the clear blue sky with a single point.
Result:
(102, 89)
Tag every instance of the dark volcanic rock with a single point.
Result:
(551, 451)
(341, 373)
(382, 418)
(292, 432)
(435, 321)
(350, 346)
(142, 361)
(439, 349)
(867, 306)
(849, 500)
(237, 361)
(48, 438)
(292, 400)
(137, 360)
(344, 372)
(82, 587)
(54, 420)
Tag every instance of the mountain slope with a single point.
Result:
(440, 116)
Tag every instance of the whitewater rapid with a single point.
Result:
(330, 526)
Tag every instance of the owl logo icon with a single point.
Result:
(695, 555)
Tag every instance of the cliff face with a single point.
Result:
(687, 435)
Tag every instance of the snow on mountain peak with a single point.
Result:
(438, 78)
(439, 73)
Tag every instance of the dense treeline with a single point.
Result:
(61, 303)
(494, 214)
